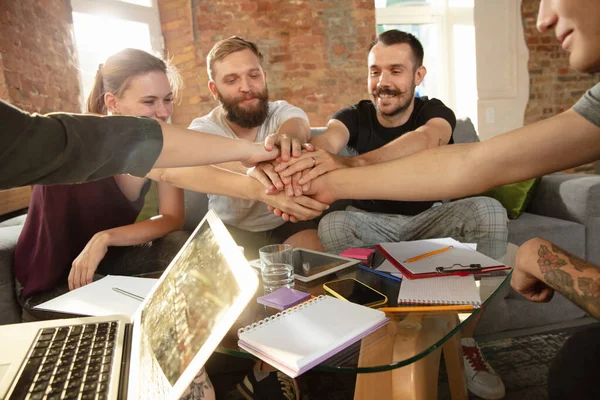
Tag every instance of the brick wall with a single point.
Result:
(38, 63)
(315, 52)
(554, 87)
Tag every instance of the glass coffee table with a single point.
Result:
(401, 359)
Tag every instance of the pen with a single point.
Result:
(126, 293)
(427, 309)
(429, 254)
(384, 274)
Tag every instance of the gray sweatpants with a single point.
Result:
(480, 220)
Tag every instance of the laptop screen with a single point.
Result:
(195, 303)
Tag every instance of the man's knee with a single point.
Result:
(488, 213)
(329, 222)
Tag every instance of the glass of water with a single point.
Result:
(276, 267)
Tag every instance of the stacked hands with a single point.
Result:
(292, 191)
(293, 181)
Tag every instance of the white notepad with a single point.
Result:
(98, 298)
(443, 290)
(301, 337)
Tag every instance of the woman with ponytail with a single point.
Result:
(75, 231)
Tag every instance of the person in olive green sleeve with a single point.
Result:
(72, 148)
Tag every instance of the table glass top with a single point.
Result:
(407, 338)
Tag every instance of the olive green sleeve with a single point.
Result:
(71, 148)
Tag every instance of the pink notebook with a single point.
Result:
(299, 338)
(283, 298)
(358, 253)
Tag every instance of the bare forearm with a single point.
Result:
(417, 178)
(213, 180)
(232, 166)
(554, 144)
(576, 279)
(322, 142)
(184, 147)
(142, 232)
(296, 128)
(405, 145)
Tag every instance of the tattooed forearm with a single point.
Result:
(563, 282)
(583, 291)
(549, 261)
(578, 263)
(590, 289)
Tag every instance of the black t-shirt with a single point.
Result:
(367, 134)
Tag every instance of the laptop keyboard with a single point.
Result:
(70, 362)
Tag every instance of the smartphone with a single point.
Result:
(355, 291)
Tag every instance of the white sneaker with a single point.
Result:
(482, 380)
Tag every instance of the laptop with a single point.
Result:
(154, 355)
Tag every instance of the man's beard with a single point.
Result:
(401, 108)
(246, 117)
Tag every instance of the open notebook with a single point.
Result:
(443, 290)
(300, 338)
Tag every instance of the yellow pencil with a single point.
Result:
(431, 253)
(426, 309)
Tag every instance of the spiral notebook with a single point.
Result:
(296, 340)
(444, 290)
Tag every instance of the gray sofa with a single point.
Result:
(565, 209)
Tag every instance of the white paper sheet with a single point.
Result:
(387, 266)
(98, 298)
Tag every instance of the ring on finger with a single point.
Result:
(314, 161)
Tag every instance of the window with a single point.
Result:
(104, 27)
(428, 35)
(446, 30)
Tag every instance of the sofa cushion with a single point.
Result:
(527, 314)
(515, 196)
(464, 132)
(10, 311)
(568, 235)
(572, 197)
(509, 310)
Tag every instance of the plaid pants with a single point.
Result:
(480, 220)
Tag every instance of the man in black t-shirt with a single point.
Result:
(395, 124)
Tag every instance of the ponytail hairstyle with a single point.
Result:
(115, 75)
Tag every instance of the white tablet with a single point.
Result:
(310, 265)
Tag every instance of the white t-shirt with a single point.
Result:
(249, 215)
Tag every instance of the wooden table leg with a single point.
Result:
(455, 366)
(418, 380)
(415, 381)
(376, 349)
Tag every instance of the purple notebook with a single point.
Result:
(283, 298)
(298, 339)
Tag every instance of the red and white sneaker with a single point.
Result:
(482, 380)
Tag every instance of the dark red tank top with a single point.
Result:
(60, 221)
